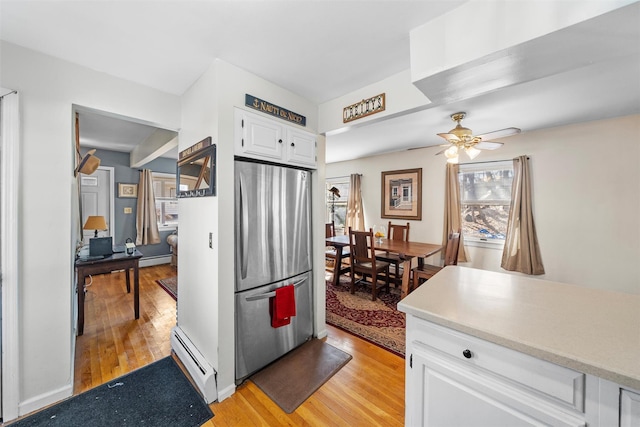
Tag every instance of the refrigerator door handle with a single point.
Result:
(273, 293)
(244, 225)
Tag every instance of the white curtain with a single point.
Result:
(146, 222)
(452, 220)
(355, 213)
(9, 255)
(521, 249)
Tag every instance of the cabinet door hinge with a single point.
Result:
(243, 142)
(411, 361)
(242, 123)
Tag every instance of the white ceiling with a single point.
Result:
(324, 49)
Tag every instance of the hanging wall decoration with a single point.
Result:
(402, 194)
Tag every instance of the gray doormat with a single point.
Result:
(290, 380)
(155, 395)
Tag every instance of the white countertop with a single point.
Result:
(589, 330)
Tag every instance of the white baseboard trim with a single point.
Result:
(322, 334)
(226, 392)
(39, 402)
(157, 260)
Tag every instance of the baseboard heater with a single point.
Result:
(200, 370)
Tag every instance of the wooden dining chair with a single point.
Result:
(363, 261)
(395, 232)
(426, 271)
(330, 253)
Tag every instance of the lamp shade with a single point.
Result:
(95, 223)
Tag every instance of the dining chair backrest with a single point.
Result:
(361, 243)
(330, 229)
(398, 232)
(451, 251)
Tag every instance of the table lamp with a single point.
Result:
(95, 223)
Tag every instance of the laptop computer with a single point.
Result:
(101, 246)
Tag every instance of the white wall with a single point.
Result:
(401, 97)
(207, 314)
(586, 187)
(48, 88)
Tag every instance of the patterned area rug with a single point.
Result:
(378, 322)
(170, 284)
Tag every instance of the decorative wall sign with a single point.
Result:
(364, 108)
(195, 147)
(274, 110)
(402, 194)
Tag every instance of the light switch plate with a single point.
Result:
(128, 210)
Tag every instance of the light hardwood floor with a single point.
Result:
(368, 391)
(114, 343)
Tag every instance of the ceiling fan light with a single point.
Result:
(472, 152)
(451, 152)
(453, 160)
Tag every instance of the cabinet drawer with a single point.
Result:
(553, 381)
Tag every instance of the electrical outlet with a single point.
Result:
(128, 210)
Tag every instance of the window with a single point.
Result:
(338, 205)
(485, 196)
(164, 190)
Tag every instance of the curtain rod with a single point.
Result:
(490, 161)
(346, 176)
(6, 94)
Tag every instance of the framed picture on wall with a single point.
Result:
(402, 194)
(127, 190)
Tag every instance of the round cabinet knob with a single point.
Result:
(280, 141)
(467, 353)
(293, 145)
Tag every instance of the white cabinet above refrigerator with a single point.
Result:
(262, 138)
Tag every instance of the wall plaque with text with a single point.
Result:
(364, 108)
(274, 110)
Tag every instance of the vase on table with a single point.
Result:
(379, 233)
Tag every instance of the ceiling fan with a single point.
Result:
(462, 139)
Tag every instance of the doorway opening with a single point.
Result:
(113, 342)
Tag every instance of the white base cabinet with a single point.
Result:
(629, 409)
(262, 138)
(454, 379)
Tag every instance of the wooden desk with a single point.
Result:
(119, 261)
(407, 251)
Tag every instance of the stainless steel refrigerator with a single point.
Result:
(273, 249)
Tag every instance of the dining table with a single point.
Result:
(405, 249)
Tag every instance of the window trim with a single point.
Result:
(162, 227)
(329, 182)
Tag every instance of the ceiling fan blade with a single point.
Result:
(449, 137)
(443, 150)
(502, 133)
(488, 145)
